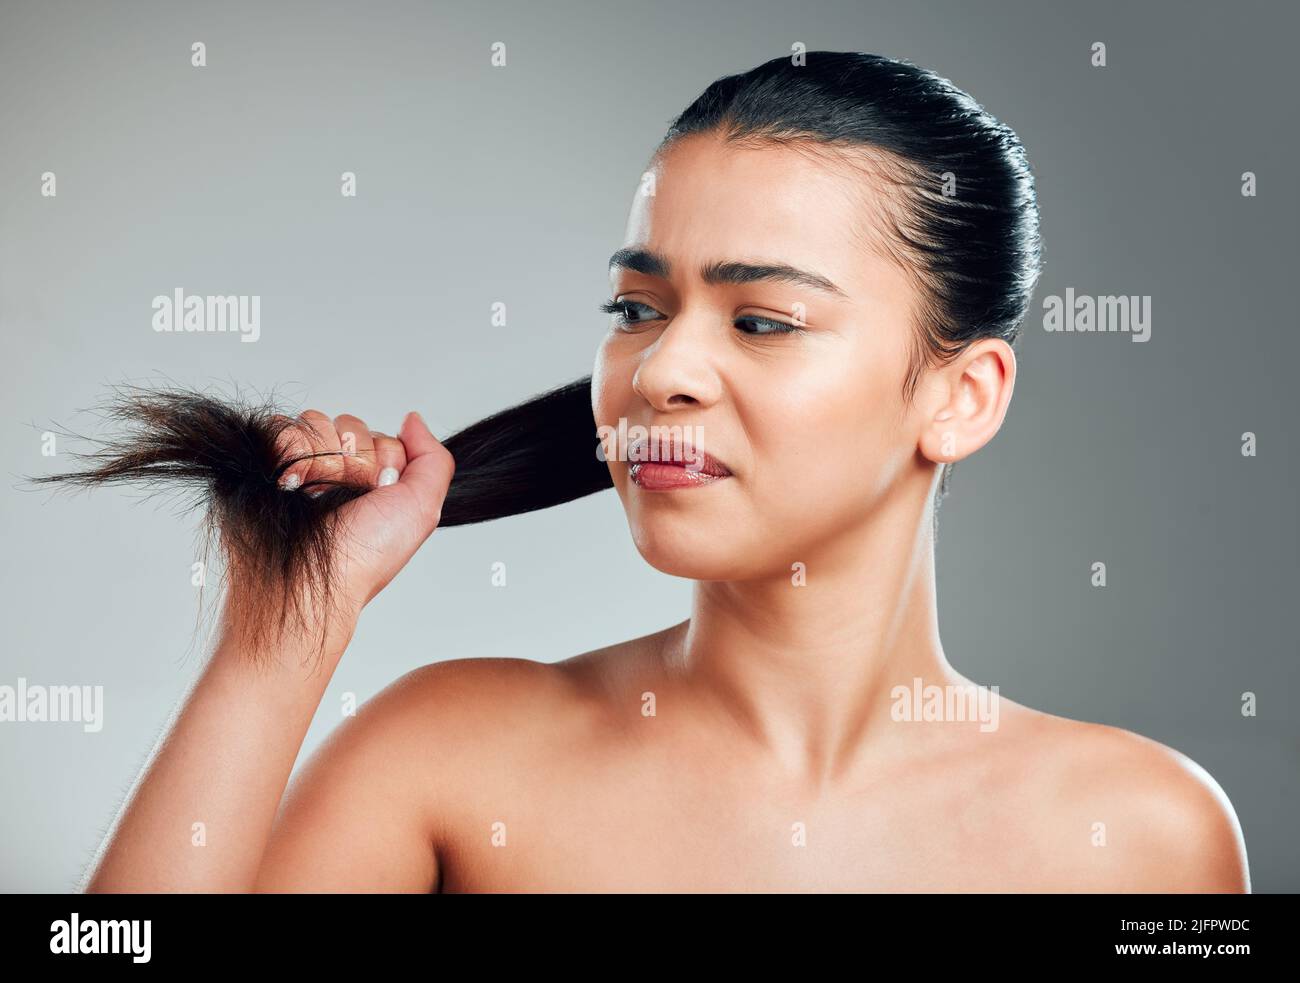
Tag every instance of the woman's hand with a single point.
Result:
(379, 532)
(229, 754)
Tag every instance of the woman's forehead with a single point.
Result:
(705, 201)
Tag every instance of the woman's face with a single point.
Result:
(811, 423)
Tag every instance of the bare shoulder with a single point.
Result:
(476, 704)
(470, 694)
(378, 802)
(473, 714)
(1128, 813)
(428, 720)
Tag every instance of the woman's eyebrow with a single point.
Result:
(655, 264)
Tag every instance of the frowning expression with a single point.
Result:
(747, 313)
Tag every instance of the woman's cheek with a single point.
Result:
(601, 381)
(611, 386)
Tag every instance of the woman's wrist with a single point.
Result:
(256, 634)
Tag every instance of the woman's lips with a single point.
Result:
(665, 476)
(677, 464)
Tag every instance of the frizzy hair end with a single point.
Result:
(224, 455)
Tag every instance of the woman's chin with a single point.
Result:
(682, 550)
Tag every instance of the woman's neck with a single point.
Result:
(806, 671)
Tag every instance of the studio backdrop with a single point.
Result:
(422, 198)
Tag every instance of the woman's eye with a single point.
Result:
(627, 312)
(763, 325)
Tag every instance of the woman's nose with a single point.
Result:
(678, 369)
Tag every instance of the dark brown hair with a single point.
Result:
(962, 212)
(221, 455)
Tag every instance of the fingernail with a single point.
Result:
(290, 481)
(388, 476)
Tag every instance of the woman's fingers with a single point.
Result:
(326, 463)
(358, 449)
(292, 442)
(313, 444)
(345, 450)
(390, 458)
(429, 467)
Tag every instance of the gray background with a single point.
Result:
(479, 185)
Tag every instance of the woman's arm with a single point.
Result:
(365, 813)
(202, 810)
(201, 815)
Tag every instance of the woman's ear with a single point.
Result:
(969, 402)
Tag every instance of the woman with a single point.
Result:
(815, 304)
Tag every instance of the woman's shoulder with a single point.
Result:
(508, 697)
(476, 698)
(493, 679)
(1139, 815)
